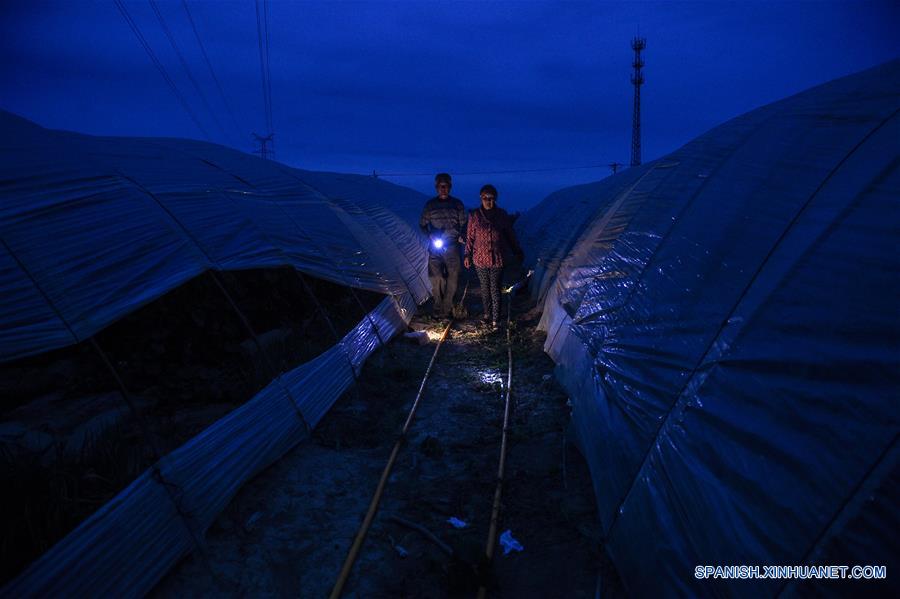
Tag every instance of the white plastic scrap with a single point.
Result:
(456, 522)
(509, 543)
(401, 551)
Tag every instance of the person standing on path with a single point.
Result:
(444, 221)
(490, 231)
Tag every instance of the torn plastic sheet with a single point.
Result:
(509, 543)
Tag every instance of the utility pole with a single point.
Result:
(264, 150)
(637, 78)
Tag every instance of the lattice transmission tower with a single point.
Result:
(265, 151)
(637, 78)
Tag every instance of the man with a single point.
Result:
(444, 221)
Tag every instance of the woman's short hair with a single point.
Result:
(489, 189)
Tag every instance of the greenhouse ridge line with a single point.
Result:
(376, 174)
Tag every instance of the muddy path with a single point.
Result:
(288, 531)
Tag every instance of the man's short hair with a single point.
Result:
(489, 189)
(443, 178)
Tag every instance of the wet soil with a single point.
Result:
(288, 531)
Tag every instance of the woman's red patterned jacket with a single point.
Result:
(488, 233)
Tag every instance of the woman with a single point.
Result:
(489, 231)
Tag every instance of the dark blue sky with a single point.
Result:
(417, 87)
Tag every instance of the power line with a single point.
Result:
(262, 64)
(185, 66)
(212, 71)
(137, 32)
(268, 63)
(262, 36)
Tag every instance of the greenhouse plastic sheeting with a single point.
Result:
(93, 228)
(727, 323)
(124, 548)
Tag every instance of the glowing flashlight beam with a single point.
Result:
(519, 284)
(438, 243)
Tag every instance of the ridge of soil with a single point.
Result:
(287, 532)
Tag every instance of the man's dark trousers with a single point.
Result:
(443, 270)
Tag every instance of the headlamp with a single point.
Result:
(438, 243)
